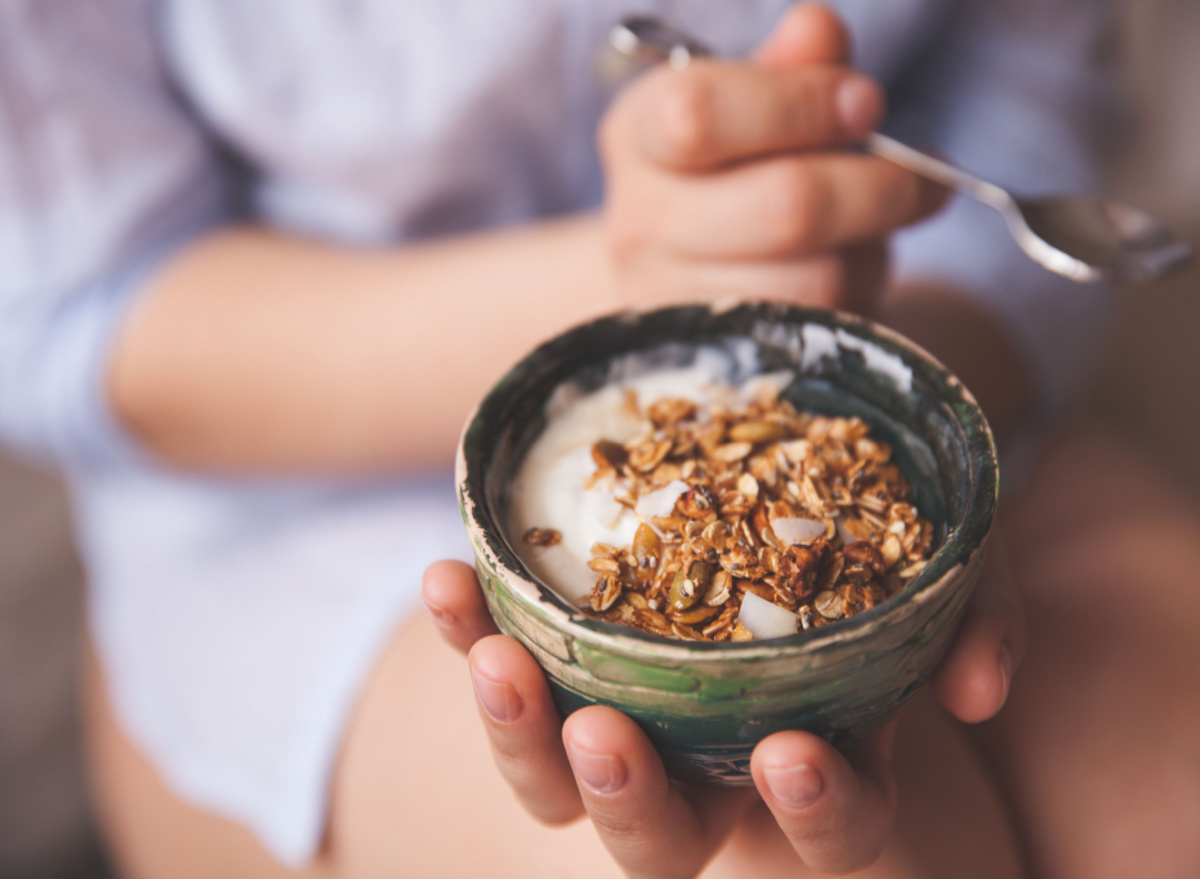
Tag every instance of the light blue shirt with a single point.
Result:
(237, 619)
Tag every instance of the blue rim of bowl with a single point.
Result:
(959, 545)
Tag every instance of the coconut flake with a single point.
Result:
(660, 503)
(797, 530)
(766, 619)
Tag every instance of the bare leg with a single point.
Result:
(416, 795)
(1099, 746)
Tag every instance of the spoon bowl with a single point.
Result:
(1107, 239)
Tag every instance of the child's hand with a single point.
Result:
(836, 809)
(731, 179)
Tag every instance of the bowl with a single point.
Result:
(705, 705)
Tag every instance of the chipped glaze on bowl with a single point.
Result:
(705, 705)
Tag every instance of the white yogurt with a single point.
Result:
(550, 490)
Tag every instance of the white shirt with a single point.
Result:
(237, 619)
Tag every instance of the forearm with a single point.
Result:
(256, 351)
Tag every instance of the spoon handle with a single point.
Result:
(927, 166)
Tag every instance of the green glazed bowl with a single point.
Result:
(705, 705)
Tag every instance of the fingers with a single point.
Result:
(974, 679)
(836, 810)
(808, 33)
(729, 179)
(775, 208)
(714, 113)
(524, 729)
(453, 598)
(647, 824)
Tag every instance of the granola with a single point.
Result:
(804, 511)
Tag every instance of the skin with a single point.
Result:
(253, 351)
(1098, 747)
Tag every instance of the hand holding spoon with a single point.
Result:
(1085, 238)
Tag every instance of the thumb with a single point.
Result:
(836, 810)
(973, 680)
(808, 33)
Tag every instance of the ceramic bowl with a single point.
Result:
(705, 705)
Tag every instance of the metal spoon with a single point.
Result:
(1086, 238)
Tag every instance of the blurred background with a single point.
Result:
(1150, 385)
(1149, 389)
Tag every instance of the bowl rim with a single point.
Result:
(964, 542)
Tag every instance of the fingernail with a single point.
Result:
(603, 773)
(796, 786)
(859, 104)
(442, 616)
(500, 701)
